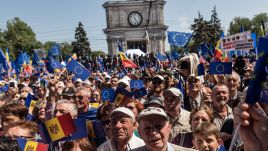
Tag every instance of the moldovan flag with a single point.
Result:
(35, 146)
(60, 127)
(127, 63)
(31, 145)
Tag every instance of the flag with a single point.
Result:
(139, 93)
(107, 94)
(120, 48)
(60, 127)
(31, 145)
(7, 54)
(52, 64)
(262, 28)
(4, 88)
(161, 57)
(127, 63)
(136, 84)
(78, 70)
(96, 132)
(179, 39)
(3, 60)
(54, 51)
(175, 55)
(220, 68)
(242, 28)
(121, 96)
(81, 130)
(257, 82)
(201, 69)
(36, 60)
(30, 102)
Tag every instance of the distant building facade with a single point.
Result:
(128, 24)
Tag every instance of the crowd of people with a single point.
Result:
(181, 111)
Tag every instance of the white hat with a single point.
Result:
(87, 82)
(152, 111)
(107, 76)
(174, 91)
(125, 111)
(159, 77)
(78, 80)
(125, 81)
(127, 78)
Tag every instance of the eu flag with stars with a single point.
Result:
(107, 94)
(178, 38)
(136, 84)
(78, 70)
(53, 64)
(220, 68)
(54, 50)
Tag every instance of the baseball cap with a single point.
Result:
(125, 81)
(152, 111)
(192, 76)
(156, 100)
(125, 111)
(174, 91)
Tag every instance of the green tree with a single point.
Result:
(236, 24)
(66, 49)
(214, 28)
(200, 29)
(20, 36)
(257, 21)
(81, 46)
(97, 53)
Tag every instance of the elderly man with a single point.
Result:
(220, 97)
(178, 117)
(194, 97)
(65, 106)
(154, 128)
(232, 81)
(82, 99)
(123, 124)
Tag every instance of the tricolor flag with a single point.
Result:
(96, 132)
(127, 63)
(31, 145)
(121, 96)
(60, 127)
(30, 102)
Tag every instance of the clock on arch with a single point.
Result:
(135, 18)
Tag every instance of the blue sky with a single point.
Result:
(56, 20)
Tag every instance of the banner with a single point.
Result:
(239, 41)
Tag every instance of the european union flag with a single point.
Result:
(178, 38)
(53, 64)
(161, 57)
(107, 94)
(4, 88)
(139, 93)
(220, 68)
(54, 50)
(136, 84)
(175, 55)
(78, 70)
(257, 89)
(3, 60)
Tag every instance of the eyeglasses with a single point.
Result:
(68, 97)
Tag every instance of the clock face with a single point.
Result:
(135, 18)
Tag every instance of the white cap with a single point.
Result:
(125, 81)
(152, 111)
(125, 111)
(78, 80)
(174, 91)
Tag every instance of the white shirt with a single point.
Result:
(133, 143)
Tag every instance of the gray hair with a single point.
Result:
(71, 106)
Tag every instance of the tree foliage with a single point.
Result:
(81, 46)
(214, 28)
(19, 36)
(254, 24)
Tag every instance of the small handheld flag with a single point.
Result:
(139, 93)
(31, 145)
(107, 94)
(220, 68)
(136, 84)
(60, 127)
(78, 70)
